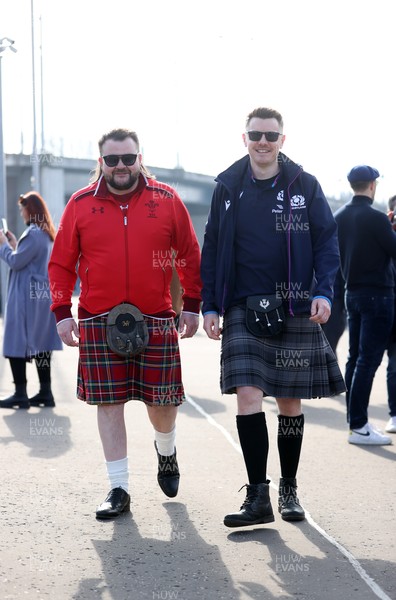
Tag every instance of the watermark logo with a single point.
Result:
(290, 563)
(40, 564)
(291, 359)
(290, 222)
(46, 159)
(171, 533)
(290, 426)
(169, 395)
(44, 426)
(162, 329)
(40, 290)
(286, 290)
(167, 259)
(166, 595)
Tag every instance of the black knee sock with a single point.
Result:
(253, 435)
(18, 368)
(43, 366)
(290, 436)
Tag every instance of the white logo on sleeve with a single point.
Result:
(227, 204)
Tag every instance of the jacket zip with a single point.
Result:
(124, 209)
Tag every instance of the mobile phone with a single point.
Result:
(4, 226)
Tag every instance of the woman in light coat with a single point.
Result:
(29, 325)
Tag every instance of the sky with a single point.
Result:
(184, 75)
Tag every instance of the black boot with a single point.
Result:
(44, 397)
(18, 400)
(255, 510)
(168, 473)
(288, 503)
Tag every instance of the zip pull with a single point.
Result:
(124, 208)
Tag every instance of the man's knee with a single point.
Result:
(249, 400)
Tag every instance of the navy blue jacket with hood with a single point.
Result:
(312, 250)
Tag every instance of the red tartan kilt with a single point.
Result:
(152, 377)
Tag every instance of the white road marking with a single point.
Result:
(348, 555)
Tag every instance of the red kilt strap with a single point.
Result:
(153, 377)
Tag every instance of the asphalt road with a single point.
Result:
(53, 476)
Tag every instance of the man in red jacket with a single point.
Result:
(123, 235)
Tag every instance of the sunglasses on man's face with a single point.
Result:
(112, 160)
(270, 136)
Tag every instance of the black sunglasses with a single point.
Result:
(270, 136)
(112, 160)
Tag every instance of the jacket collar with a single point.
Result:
(360, 199)
(232, 176)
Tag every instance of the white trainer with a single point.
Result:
(391, 425)
(368, 436)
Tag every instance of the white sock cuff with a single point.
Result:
(117, 471)
(117, 465)
(165, 442)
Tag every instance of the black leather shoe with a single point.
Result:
(288, 503)
(168, 474)
(256, 508)
(117, 502)
(41, 399)
(15, 401)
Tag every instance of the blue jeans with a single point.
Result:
(391, 378)
(370, 319)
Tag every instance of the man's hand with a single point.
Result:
(211, 325)
(188, 324)
(320, 310)
(66, 330)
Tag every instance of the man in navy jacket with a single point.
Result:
(270, 234)
(367, 247)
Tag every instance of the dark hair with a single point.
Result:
(360, 186)
(38, 212)
(118, 135)
(392, 202)
(265, 113)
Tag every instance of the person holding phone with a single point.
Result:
(29, 325)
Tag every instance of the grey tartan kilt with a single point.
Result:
(298, 363)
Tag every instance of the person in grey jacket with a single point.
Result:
(29, 325)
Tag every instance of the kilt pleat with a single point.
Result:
(298, 363)
(153, 377)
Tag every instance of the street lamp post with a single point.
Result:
(35, 178)
(5, 44)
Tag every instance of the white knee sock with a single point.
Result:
(165, 442)
(118, 473)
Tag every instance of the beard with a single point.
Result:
(128, 183)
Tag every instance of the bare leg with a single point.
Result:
(162, 418)
(289, 407)
(112, 431)
(250, 400)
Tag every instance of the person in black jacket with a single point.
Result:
(391, 369)
(270, 241)
(367, 247)
(335, 326)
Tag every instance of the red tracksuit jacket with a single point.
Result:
(124, 252)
